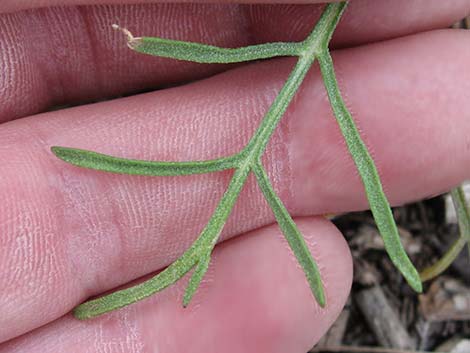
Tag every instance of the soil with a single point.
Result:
(384, 314)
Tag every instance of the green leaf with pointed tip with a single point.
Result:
(196, 278)
(378, 202)
(208, 54)
(102, 162)
(292, 235)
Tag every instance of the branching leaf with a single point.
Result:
(124, 297)
(248, 160)
(199, 251)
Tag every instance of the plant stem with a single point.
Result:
(463, 217)
(319, 38)
(463, 213)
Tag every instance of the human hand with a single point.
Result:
(68, 233)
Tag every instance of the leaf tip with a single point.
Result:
(54, 149)
(418, 285)
(188, 295)
(57, 151)
(79, 313)
(186, 301)
(62, 153)
(132, 42)
(415, 280)
(321, 301)
(319, 294)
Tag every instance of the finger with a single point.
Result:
(254, 298)
(68, 55)
(60, 222)
(18, 5)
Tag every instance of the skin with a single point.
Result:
(67, 234)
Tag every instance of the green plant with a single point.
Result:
(247, 161)
(463, 218)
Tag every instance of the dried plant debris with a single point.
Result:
(437, 316)
(383, 319)
(446, 299)
(455, 345)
